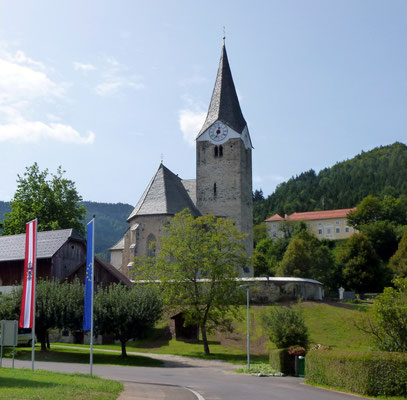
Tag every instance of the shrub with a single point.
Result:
(282, 361)
(285, 326)
(367, 373)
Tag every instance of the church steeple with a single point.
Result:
(224, 104)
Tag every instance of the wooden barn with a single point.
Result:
(60, 255)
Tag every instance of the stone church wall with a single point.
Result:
(143, 230)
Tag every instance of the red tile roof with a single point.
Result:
(275, 217)
(313, 215)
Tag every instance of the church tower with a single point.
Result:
(224, 157)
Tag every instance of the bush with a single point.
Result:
(282, 361)
(285, 326)
(366, 373)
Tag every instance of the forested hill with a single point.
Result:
(382, 170)
(110, 223)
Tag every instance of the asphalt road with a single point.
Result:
(187, 382)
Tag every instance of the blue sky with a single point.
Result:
(104, 88)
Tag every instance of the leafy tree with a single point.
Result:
(126, 312)
(53, 200)
(384, 236)
(267, 255)
(259, 233)
(58, 305)
(285, 326)
(195, 248)
(388, 323)
(297, 260)
(361, 267)
(390, 310)
(398, 263)
(307, 257)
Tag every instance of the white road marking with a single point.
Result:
(200, 397)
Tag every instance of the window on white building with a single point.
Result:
(319, 231)
(328, 230)
(347, 229)
(338, 230)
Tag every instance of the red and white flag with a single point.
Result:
(30, 263)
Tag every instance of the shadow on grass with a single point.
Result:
(364, 307)
(25, 383)
(82, 357)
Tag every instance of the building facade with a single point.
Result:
(330, 224)
(223, 184)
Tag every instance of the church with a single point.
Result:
(223, 184)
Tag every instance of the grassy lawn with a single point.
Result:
(44, 385)
(329, 324)
(67, 355)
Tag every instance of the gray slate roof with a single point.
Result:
(224, 104)
(119, 245)
(48, 243)
(165, 194)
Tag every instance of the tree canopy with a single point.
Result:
(192, 249)
(51, 198)
(127, 313)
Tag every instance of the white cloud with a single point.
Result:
(33, 131)
(78, 66)
(24, 88)
(19, 84)
(190, 123)
(115, 77)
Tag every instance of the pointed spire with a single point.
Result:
(224, 104)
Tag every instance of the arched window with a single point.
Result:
(214, 189)
(151, 245)
(216, 151)
(220, 151)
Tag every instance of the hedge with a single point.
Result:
(368, 373)
(282, 361)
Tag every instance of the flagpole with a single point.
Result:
(35, 289)
(92, 295)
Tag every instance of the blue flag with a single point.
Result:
(88, 310)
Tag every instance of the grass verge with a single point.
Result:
(46, 385)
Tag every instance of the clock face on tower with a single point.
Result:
(218, 131)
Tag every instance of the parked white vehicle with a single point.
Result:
(24, 337)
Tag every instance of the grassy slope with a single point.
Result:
(328, 324)
(24, 384)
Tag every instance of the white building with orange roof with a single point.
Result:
(329, 224)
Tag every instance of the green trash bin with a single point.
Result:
(301, 366)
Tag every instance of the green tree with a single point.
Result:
(390, 310)
(267, 255)
(361, 267)
(398, 263)
(308, 257)
(58, 305)
(126, 312)
(53, 199)
(285, 326)
(195, 248)
(389, 323)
